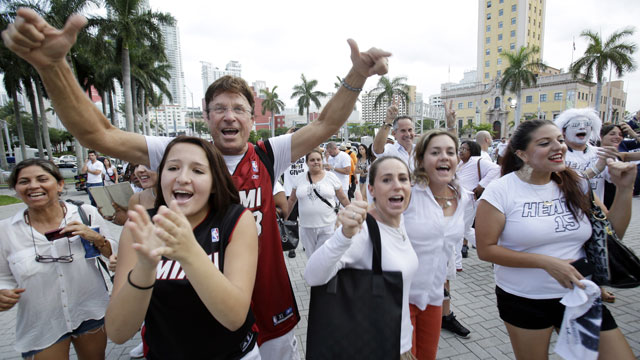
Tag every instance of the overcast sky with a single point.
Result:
(432, 42)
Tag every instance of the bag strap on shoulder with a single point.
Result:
(320, 196)
(374, 234)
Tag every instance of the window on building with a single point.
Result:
(500, 12)
(460, 123)
(488, 40)
(460, 105)
(487, 52)
(488, 4)
(513, 8)
(528, 99)
(513, 21)
(499, 49)
(543, 97)
(488, 28)
(528, 32)
(470, 121)
(486, 75)
(513, 33)
(470, 104)
(512, 46)
(499, 61)
(538, 36)
(535, 9)
(499, 24)
(534, 22)
(499, 37)
(557, 96)
(579, 95)
(540, 12)
(529, 6)
(501, 2)
(487, 63)
(499, 73)
(488, 16)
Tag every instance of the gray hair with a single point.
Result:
(401, 117)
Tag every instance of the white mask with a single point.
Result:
(579, 126)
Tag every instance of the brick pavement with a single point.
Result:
(473, 301)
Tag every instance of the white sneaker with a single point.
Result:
(136, 352)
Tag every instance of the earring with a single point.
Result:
(525, 172)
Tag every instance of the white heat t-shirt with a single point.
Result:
(297, 169)
(581, 161)
(534, 227)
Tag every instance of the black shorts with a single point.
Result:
(536, 314)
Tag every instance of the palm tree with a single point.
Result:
(129, 25)
(389, 88)
(599, 56)
(305, 94)
(520, 73)
(272, 104)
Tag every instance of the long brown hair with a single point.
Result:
(568, 180)
(223, 192)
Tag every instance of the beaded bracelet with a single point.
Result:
(136, 286)
(351, 88)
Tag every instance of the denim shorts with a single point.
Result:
(537, 314)
(85, 327)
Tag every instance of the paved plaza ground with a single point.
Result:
(473, 302)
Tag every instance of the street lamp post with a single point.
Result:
(193, 117)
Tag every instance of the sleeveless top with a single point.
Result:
(177, 324)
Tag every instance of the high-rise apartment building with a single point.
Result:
(211, 73)
(371, 114)
(506, 25)
(171, 37)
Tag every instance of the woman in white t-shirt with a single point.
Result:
(111, 173)
(316, 192)
(436, 196)
(350, 245)
(532, 224)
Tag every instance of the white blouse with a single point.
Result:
(433, 238)
(58, 296)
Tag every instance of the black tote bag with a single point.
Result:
(358, 313)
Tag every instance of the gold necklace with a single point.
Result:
(447, 199)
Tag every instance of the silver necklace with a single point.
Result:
(398, 229)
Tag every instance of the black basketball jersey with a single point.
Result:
(178, 324)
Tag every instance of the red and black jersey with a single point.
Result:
(273, 301)
(178, 325)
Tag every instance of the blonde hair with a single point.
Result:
(420, 173)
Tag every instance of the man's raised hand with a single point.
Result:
(39, 43)
(371, 62)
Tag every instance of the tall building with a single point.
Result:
(211, 73)
(371, 114)
(172, 50)
(506, 25)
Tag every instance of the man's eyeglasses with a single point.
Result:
(220, 110)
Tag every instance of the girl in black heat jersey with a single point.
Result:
(189, 273)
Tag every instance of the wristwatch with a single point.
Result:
(387, 124)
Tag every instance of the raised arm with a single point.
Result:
(622, 175)
(46, 47)
(381, 137)
(337, 110)
(450, 116)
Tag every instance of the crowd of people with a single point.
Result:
(199, 266)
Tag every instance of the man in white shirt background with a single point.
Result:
(94, 170)
(403, 131)
(483, 138)
(339, 163)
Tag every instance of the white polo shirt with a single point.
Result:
(341, 161)
(93, 178)
(398, 150)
